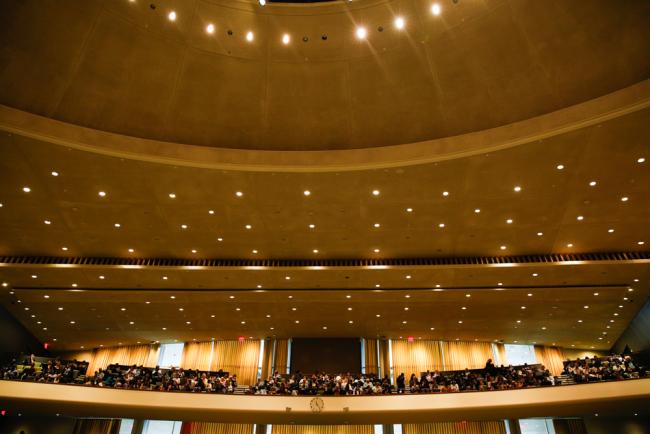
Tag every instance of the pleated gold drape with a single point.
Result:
(323, 429)
(372, 364)
(237, 357)
(80, 356)
(197, 355)
(574, 353)
(281, 355)
(551, 357)
(460, 355)
(267, 358)
(569, 426)
(145, 355)
(501, 353)
(415, 357)
(216, 428)
(384, 358)
(465, 427)
(97, 426)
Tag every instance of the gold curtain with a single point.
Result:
(281, 355)
(196, 355)
(466, 427)
(569, 426)
(97, 426)
(237, 357)
(415, 357)
(267, 361)
(126, 355)
(384, 357)
(371, 361)
(323, 429)
(575, 353)
(460, 355)
(501, 353)
(80, 356)
(216, 428)
(551, 358)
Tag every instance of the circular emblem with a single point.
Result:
(316, 405)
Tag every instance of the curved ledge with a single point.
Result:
(617, 104)
(557, 401)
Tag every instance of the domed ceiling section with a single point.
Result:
(125, 67)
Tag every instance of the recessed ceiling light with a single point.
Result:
(131, 250)
(408, 276)
(543, 328)
(523, 307)
(375, 192)
(409, 209)
(312, 226)
(171, 16)
(636, 280)
(376, 225)
(435, 9)
(54, 173)
(255, 252)
(517, 189)
(315, 250)
(530, 294)
(183, 226)
(72, 322)
(306, 192)
(210, 28)
(259, 286)
(173, 297)
(376, 250)
(441, 225)
(220, 239)
(324, 327)
(503, 247)
(131, 322)
(47, 222)
(102, 194)
(399, 23)
(27, 189)
(477, 210)
(535, 274)
(291, 296)
(579, 320)
(460, 321)
(640, 243)
(468, 295)
(630, 289)
(585, 306)
(624, 199)
(287, 277)
(445, 193)
(65, 249)
(592, 183)
(361, 32)
(102, 277)
(248, 227)
(59, 308)
(610, 230)
(286, 39)
(34, 276)
(500, 283)
(580, 218)
(464, 308)
(250, 36)
(172, 195)
(509, 221)
(560, 167)
(164, 277)
(377, 285)
(641, 160)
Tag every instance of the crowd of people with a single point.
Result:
(617, 367)
(322, 384)
(173, 379)
(489, 378)
(52, 371)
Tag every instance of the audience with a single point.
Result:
(616, 367)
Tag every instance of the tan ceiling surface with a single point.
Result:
(120, 66)
(344, 211)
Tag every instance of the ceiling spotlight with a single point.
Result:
(131, 250)
(376, 250)
(641, 160)
(172, 16)
(517, 189)
(249, 36)
(477, 210)
(262, 2)
(580, 218)
(172, 195)
(640, 243)
(183, 226)
(361, 34)
(441, 225)
(210, 28)
(312, 226)
(47, 222)
(409, 209)
(539, 234)
(239, 194)
(117, 225)
(375, 192)
(502, 247)
(592, 183)
(286, 39)
(445, 193)
(248, 227)
(435, 9)
(570, 245)
(376, 225)
(315, 250)
(624, 199)
(560, 166)
(306, 192)
(27, 189)
(102, 194)
(399, 23)
(610, 230)
(509, 221)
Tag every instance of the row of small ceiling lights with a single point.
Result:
(375, 193)
(361, 32)
(348, 296)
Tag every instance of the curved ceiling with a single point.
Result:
(124, 67)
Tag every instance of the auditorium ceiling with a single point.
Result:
(123, 66)
(480, 166)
